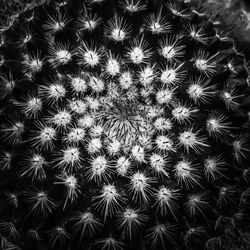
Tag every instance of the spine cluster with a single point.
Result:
(120, 127)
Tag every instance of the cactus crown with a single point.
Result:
(120, 127)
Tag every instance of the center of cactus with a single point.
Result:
(125, 122)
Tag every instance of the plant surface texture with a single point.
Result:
(121, 127)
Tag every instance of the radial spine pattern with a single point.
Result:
(120, 127)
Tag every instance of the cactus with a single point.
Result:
(121, 127)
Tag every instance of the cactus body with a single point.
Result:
(120, 127)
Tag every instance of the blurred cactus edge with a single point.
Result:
(125, 124)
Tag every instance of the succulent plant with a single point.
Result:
(120, 127)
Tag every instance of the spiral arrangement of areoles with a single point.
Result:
(120, 127)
